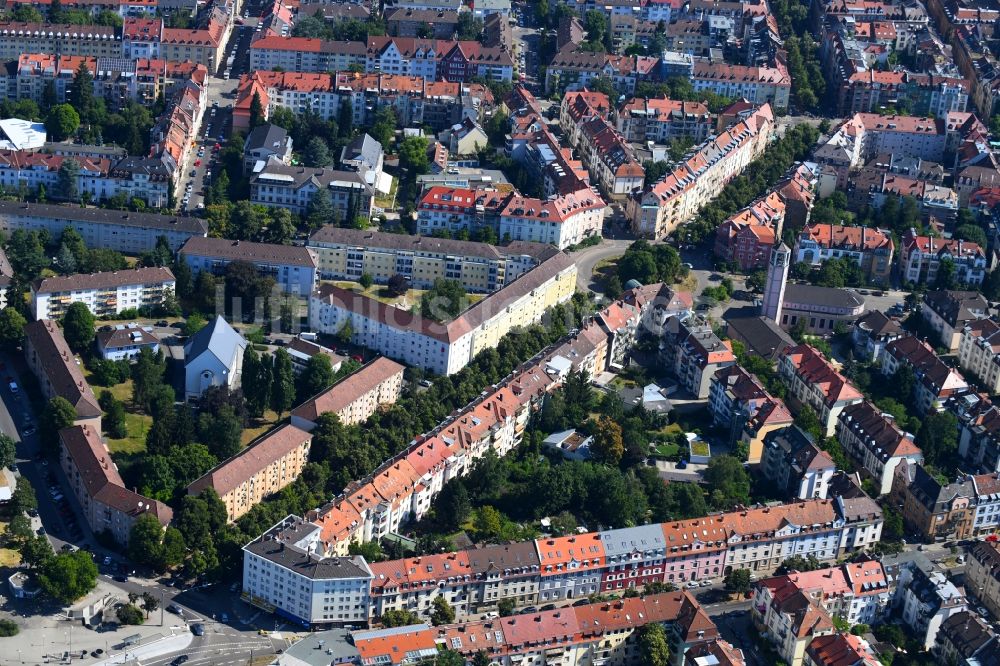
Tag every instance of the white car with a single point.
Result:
(691, 584)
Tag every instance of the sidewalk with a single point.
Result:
(162, 646)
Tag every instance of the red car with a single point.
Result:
(357, 358)
(197, 163)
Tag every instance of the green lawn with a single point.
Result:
(667, 450)
(380, 292)
(138, 425)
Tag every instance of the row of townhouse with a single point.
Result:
(748, 236)
(663, 120)
(978, 431)
(598, 632)
(982, 574)
(870, 248)
(948, 312)
(415, 100)
(431, 59)
(923, 94)
(444, 347)
(172, 136)
(354, 398)
(105, 294)
(553, 569)
(676, 198)
(814, 382)
(979, 353)
(123, 231)
(561, 220)
(739, 402)
(117, 80)
(146, 178)
(140, 37)
(613, 166)
(124, 8)
(347, 254)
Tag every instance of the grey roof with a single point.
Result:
(275, 172)
(69, 214)
(278, 546)
(808, 294)
(267, 136)
(156, 168)
(312, 649)
(126, 336)
(761, 336)
(370, 239)
(364, 149)
(218, 338)
(966, 632)
(632, 539)
(236, 250)
(878, 325)
(957, 307)
(148, 275)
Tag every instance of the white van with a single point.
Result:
(13, 387)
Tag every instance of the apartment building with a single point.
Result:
(936, 381)
(125, 341)
(405, 22)
(921, 256)
(925, 599)
(612, 163)
(561, 221)
(107, 505)
(104, 294)
(874, 442)
(813, 381)
(571, 69)
(663, 120)
(834, 649)
(55, 367)
(281, 570)
(347, 254)
(678, 196)
(795, 465)
(95, 41)
(948, 312)
(294, 187)
(747, 237)
(979, 353)
(694, 354)
(355, 397)
(444, 348)
(982, 573)
(261, 469)
(858, 592)
(740, 403)
(758, 85)
(123, 231)
(966, 638)
(871, 333)
(933, 509)
(305, 54)
(203, 45)
(568, 567)
(293, 267)
(871, 249)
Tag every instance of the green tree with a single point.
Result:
(66, 180)
(145, 541)
(320, 210)
(68, 576)
(283, 383)
(444, 300)
(608, 446)
(653, 647)
(366, 280)
(809, 422)
(149, 603)
(413, 156)
(8, 451)
(317, 153)
(938, 439)
(469, 27)
(129, 614)
(36, 552)
(971, 232)
(221, 432)
(12, 325)
(727, 481)
(114, 416)
(399, 618)
(62, 122)
(317, 376)
(8, 628)
(256, 111)
(256, 381)
(58, 414)
(506, 607)
(738, 581)
(19, 529)
(78, 327)
(441, 611)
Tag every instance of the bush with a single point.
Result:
(129, 614)
(8, 628)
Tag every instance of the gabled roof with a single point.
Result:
(59, 364)
(217, 338)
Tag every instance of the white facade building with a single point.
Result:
(104, 294)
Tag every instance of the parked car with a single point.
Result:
(198, 629)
